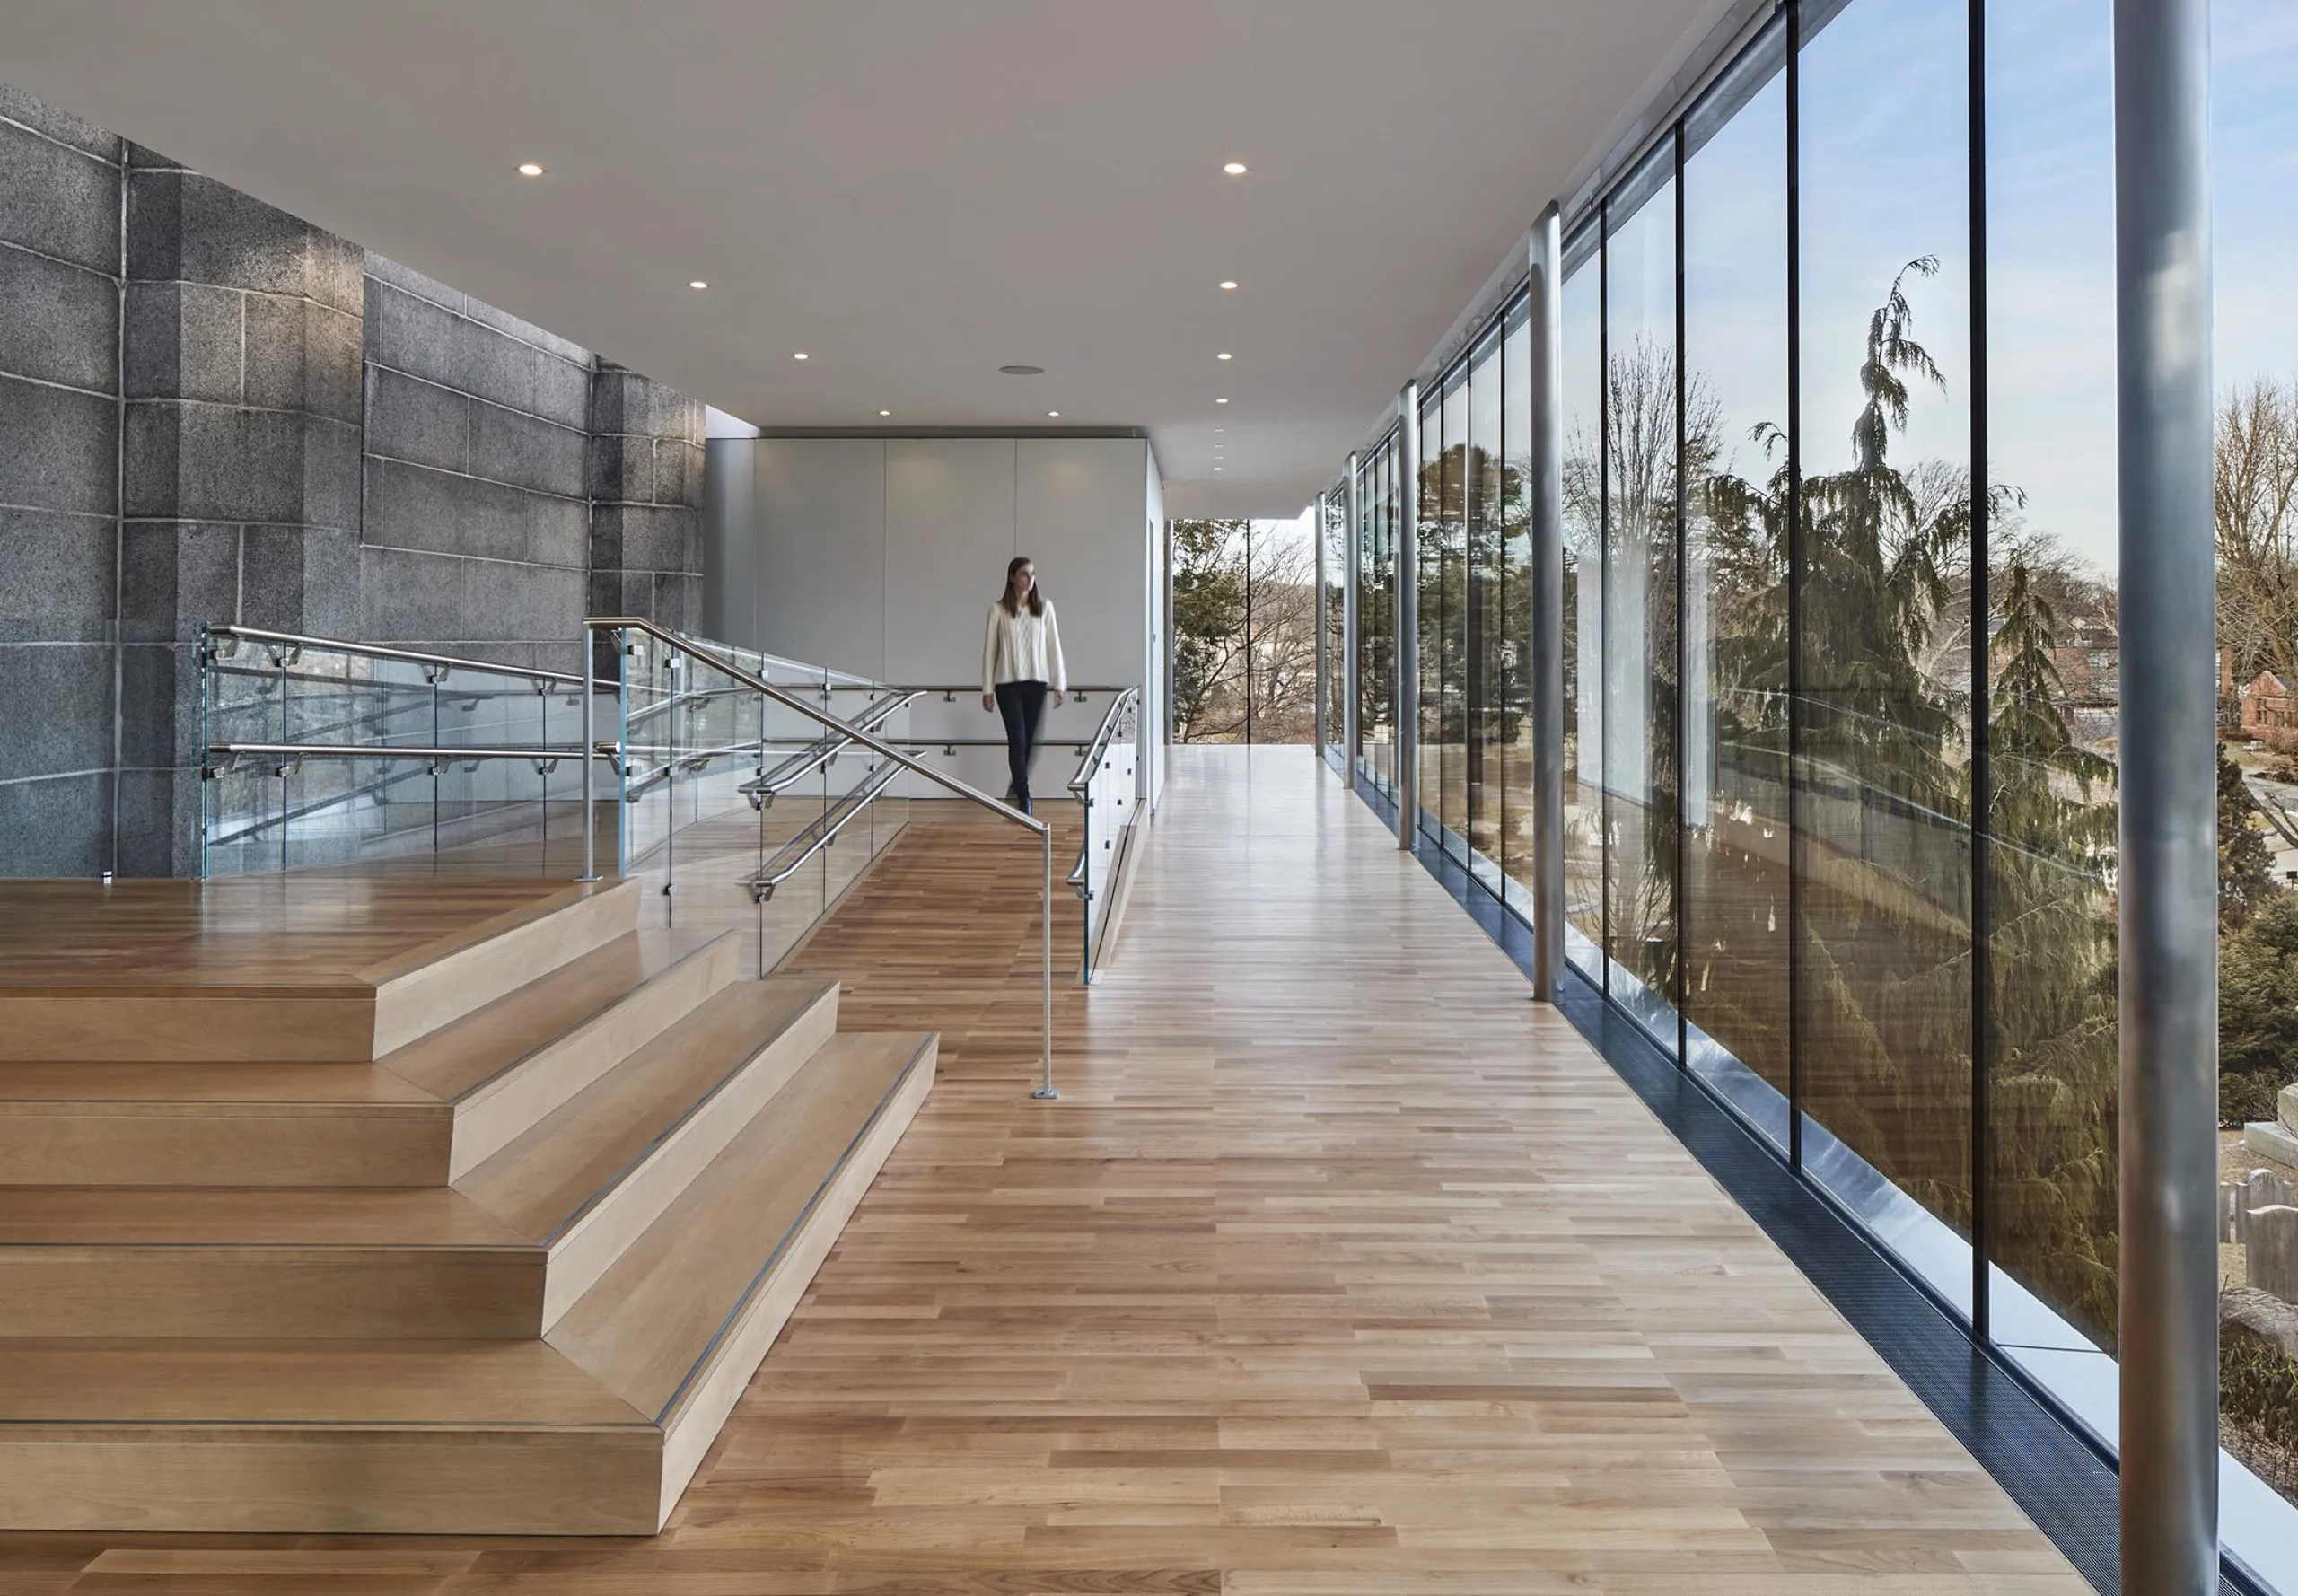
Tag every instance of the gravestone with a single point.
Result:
(2273, 1252)
(2278, 1139)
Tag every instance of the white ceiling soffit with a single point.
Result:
(915, 192)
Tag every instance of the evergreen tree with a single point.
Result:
(2052, 1066)
(2245, 862)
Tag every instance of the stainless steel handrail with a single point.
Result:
(374, 651)
(815, 755)
(815, 835)
(369, 751)
(1102, 738)
(972, 794)
(950, 691)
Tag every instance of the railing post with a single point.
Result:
(590, 750)
(1046, 1091)
(2168, 857)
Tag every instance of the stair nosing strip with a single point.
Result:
(743, 1298)
(477, 1086)
(639, 1422)
(589, 1203)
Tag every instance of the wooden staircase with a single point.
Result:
(484, 1234)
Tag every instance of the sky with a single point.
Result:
(1885, 179)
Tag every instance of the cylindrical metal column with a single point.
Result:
(1350, 647)
(2169, 866)
(1545, 492)
(1407, 612)
(1324, 665)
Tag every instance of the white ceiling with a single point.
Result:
(915, 192)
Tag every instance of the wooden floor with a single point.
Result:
(1339, 1267)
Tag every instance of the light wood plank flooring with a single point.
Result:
(1339, 1267)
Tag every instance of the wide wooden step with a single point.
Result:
(594, 1433)
(423, 1115)
(507, 1065)
(489, 1437)
(592, 1176)
(153, 1261)
(344, 971)
(679, 1323)
(92, 1123)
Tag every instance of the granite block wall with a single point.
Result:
(61, 184)
(475, 526)
(210, 411)
(646, 456)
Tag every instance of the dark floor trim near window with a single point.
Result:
(2054, 1475)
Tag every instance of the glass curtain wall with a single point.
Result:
(2254, 155)
(1376, 616)
(1244, 631)
(1509, 643)
(1333, 542)
(1640, 556)
(1738, 906)
(1583, 602)
(1839, 651)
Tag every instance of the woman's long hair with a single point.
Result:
(1006, 599)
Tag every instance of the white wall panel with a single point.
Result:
(821, 565)
(882, 556)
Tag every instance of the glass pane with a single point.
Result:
(1432, 481)
(2254, 154)
(1375, 626)
(1280, 639)
(1885, 1001)
(1640, 588)
(1584, 618)
(2050, 713)
(1480, 484)
(1735, 843)
(1509, 680)
(1334, 534)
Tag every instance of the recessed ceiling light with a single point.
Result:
(799, 355)
(697, 282)
(1220, 429)
(1223, 355)
(1220, 402)
(1216, 467)
(1022, 370)
(531, 169)
(1053, 412)
(1235, 169)
(1229, 286)
(885, 412)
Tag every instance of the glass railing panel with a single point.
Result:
(1106, 786)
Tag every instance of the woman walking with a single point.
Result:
(1021, 662)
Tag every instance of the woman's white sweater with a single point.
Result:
(1022, 647)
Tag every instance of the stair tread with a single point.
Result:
(203, 1087)
(307, 934)
(255, 1216)
(654, 1311)
(238, 1383)
(550, 1173)
(458, 1058)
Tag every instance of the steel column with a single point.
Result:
(1407, 612)
(2169, 867)
(1323, 666)
(1546, 641)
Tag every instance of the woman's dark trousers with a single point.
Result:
(1022, 705)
